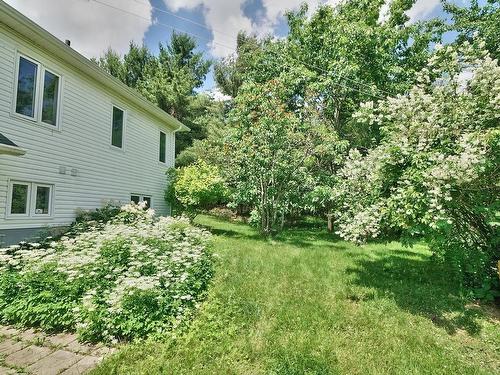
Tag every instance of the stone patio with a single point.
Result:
(37, 353)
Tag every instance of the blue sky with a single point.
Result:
(94, 25)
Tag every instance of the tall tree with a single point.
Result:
(229, 72)
(169, 80)
(476, 19)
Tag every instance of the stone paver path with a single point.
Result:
(37, 353)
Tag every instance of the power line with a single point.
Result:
(230, 37)
(184, 19)
(232, 49)
(163, 24)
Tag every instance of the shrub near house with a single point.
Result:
(135, 276)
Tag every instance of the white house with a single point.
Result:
(71, 136)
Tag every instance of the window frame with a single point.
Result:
(165, 151)
(31, 200)
(10, 192)
(38, 100)
(113, 106)
(59, 97)
(141, 198)
(16, 84)
(34, 186)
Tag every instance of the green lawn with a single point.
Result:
(307, 304)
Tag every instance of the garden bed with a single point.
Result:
(135, 276)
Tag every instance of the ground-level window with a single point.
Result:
(19, 198)
(42, 199)
(30, 199)
(163, 147)
(136, 198)
(117, 127)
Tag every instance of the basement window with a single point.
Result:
(29, 199)
(136, 198)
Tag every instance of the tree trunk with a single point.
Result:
(330, 222)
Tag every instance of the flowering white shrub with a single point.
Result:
(134, 276)
(435, 173)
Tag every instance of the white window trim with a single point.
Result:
(31, 200)
(37, 88)
(59, 97)
(38, 100)
(34, 187)
(141, 198)
(10, 191)
(124, 129)
(166, 147)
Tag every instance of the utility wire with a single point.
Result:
(184, 19)
(232, 49)
(163, 24)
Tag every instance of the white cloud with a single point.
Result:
(91, 27)
(217, 95)
(385, 12)
(222, 17)
(418, 12)
(225, 18)
(421, 9)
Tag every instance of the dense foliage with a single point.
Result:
(135, 276)
(268, 153)
(195, 187)
(353, 115)
(436, 172)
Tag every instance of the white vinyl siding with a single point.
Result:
(76, 158)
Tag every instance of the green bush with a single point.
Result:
(136, 276)
(195, 187)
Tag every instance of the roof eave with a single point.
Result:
(11, 150)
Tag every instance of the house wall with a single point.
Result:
(83, 143)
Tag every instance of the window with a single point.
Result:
(19, 202)
(26, 87)
(42, 107)
(50, 97)
(136, 198)
(42, 200)
(30, 199)
(117, 128)
(163, 147)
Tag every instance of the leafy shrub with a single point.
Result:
(88, 218)
(195, 187)
(435, 174)
(135, 276)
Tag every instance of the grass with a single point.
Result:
(305, 303)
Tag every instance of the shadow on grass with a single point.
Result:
(302, 235)
(411, 278)
(419, 286)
